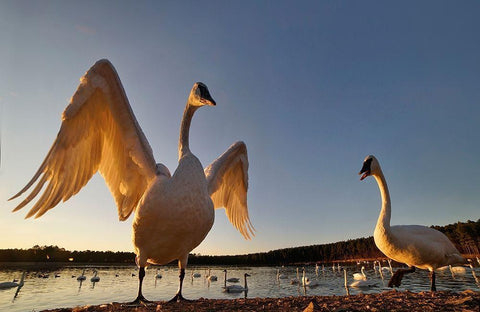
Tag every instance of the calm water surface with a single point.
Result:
(117, 284)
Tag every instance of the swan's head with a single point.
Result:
(200, 96)
(246, 274)
(370, 166)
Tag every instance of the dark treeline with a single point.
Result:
(465, 236)
(57, 254)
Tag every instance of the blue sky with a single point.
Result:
(312, 87)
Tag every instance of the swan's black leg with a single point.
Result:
(178, 297)
(140, 298)
(396, 279)
(432, 279)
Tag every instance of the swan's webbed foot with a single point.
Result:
(178, 298)
(140, 301)
(396, 279)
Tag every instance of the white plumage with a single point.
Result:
(210, 277)
(173, 214)
(364, 283)
(306, 281)
(415, 245)
(361, 275)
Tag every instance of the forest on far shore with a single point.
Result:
(465, 236)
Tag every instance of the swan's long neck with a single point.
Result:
(183, 143)
(22, 279)
(245, 282)
(225, 281)
(383, 222)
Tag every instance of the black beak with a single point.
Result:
(205, 95)
(365, 169)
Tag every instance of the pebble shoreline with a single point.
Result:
(466, 301)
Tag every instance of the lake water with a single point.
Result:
(117, 284)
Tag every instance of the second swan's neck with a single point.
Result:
(183, 143)
(385, 214)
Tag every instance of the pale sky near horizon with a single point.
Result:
(312, 87)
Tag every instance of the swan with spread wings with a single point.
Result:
(173, 213)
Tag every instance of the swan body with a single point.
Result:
(95, 278)
(82, 277)
(457, 269)
(237, 288)
(415, 245)
(307, 281)
(210, 277)
(361, 275)
(7, 285)
(295, 280)
(230, 280)
(281, 275)
(173, 213)
(363, 283)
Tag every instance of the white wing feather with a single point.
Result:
(99, 132)
(227, 179)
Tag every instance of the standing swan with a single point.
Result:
(415, 245)
(173, 214)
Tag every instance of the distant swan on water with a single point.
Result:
(457, 269)
(295, 280)
(7, 285)
(173, 213)
(280, 275)
(361, 275)
(211, 278)
(231, 279)
(415, 245)
(82, 277)
(237, 288)
(95, 278)
(306, 281)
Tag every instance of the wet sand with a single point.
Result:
(465, 301)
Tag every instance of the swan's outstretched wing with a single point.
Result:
(99, 132)
(227, 179)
